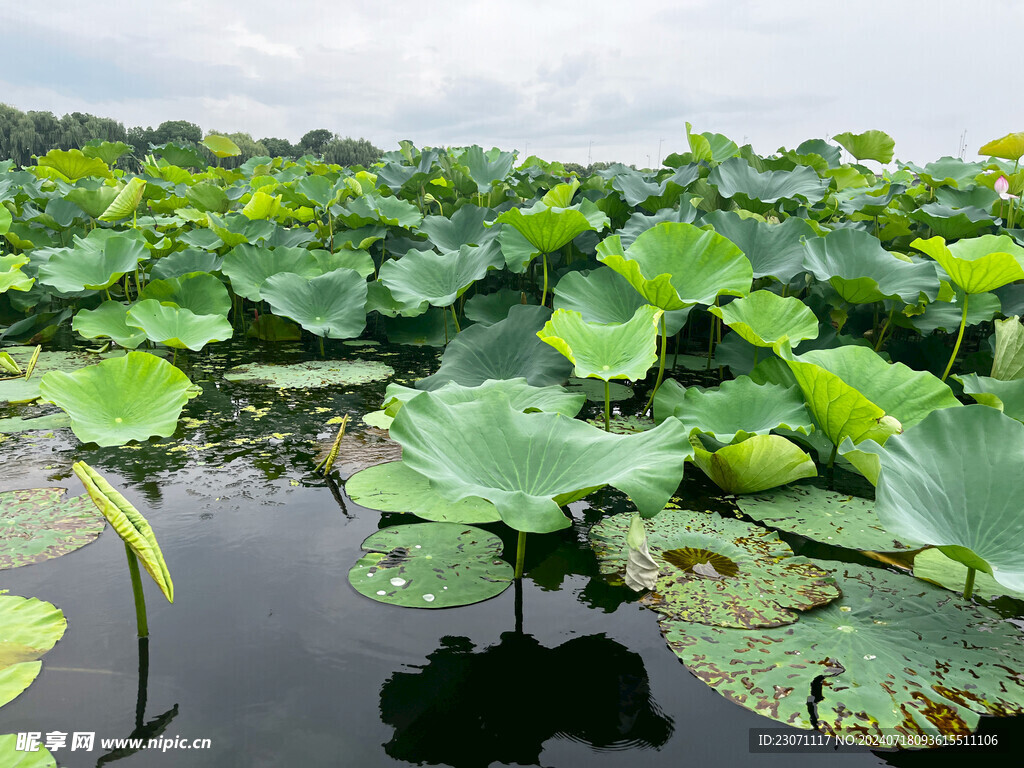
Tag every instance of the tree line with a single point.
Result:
(34, 133)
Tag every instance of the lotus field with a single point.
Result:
(826, 342)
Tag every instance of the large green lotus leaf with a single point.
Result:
(717, 571)
(735, 410)
(371, 208)
(261, 206)
(826, 516)
(11, 276)
(331, 305)
(520, 394)
(180, 328)
(934, 566)
(379, 299)
(1006, 396)
(199, 292)
(438, 278)
(465, 227)
(108, 320)
(71, 165)
(431, 326)
(953, 223)
(761, 192)
(221, 146)
(774, 250)
(487, 168)
(764, 319)
(604, 296)
(1008, 362)
(755, 464)
(516, 249)
(127, 201)
(639, 223)
(431, 565)
(1009, 147)
(620, 351)
(29, 628)
(852, 392)
(314, 374)
(209, 197)
(863, 272)
(677, 265)
(247, 266)
(893, 655)
(947, 171)
(130, 524)
(947, 315)
(870, 145)
(5, 220)
(547, 229)
(181, 263)
(954, 482)
(508, 349)
(37, 524)
(93, 201)
(93, 268)
(15, 758)
(979, 264)
(126, 398)
(490, 308)
(393, 487)
(527, 464)
(359, 261)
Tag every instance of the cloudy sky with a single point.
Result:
(572, 81)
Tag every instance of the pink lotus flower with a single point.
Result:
(1002, 186)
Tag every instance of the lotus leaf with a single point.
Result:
(247, 266)
(331, 305)
(755, 464)
(428, 325)
(490, 308)
(130, 525)
(870, 145)
(1008, 361)
(774, 250)
(947, 315)
(548, 229)
(600, 351)
(221, 146)
(23, 390)
(126, 398)
(894, 655)
(764, 319)
(71, 165)
(371, 208)
(438, 278)
(431, 565)
(957, 494)
(11, 276)
(862, 272)
(198, 292)
(521, 395)
(1009, 147)
(379, 299)
(126, 202)
(760, 192)
(826, 516)
(359, 261)
(311, 375)
(979, 264)
(931, 565)
(15, 758)
(718, 571)
(49, 422)
(108, 320)
(953, 223)
(92, 201)
(393, 487)
(209, 197)
(675, 266)
(40, 523)
(639, 223)
(605, 296)
(509, 349)
(181, 263)
(465, 227)
(528, 465)
(180, 328)
(487, 168)
(1007, 396)
(261, 206)
(28, 628)
(641, 569)
(93, 265)
(734, 411)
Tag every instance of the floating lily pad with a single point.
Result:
(29, 628)
(22, 390)
(360, 450)
(394, 487)
(520, 394)
(12, 757)
(37, 524)
(50, 421)
(718, 571)
(311, 375)
(934, 566)
(893, 655)
(378, 419)
(431, 565)
(833, 518)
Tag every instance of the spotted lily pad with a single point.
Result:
(394, 487)
(39, 523)
(431, 565)
(895, 654)
(718, 571)
(826, 516)
(29, 628)
(311, 375)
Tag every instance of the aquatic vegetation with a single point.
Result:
(314, 374)
(29, 628)
(394, 487)
(177, 327)
(40, 523)
(754, 464)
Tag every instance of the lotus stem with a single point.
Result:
(520, 554)
(140, 597)
(455, 318)
(544, 293)
(174, 356)
(959, 338)
(711, 342)
(607, 406)
(661, 365)
(885, 329)
(969, 584)
(325, 466)
(756, 350)
(322, 353)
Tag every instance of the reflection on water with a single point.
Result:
(470, 708)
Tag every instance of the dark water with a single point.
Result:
(271, 655)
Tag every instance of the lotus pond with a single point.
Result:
(457, 460)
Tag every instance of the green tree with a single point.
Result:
(315, 141)
(349, 151)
